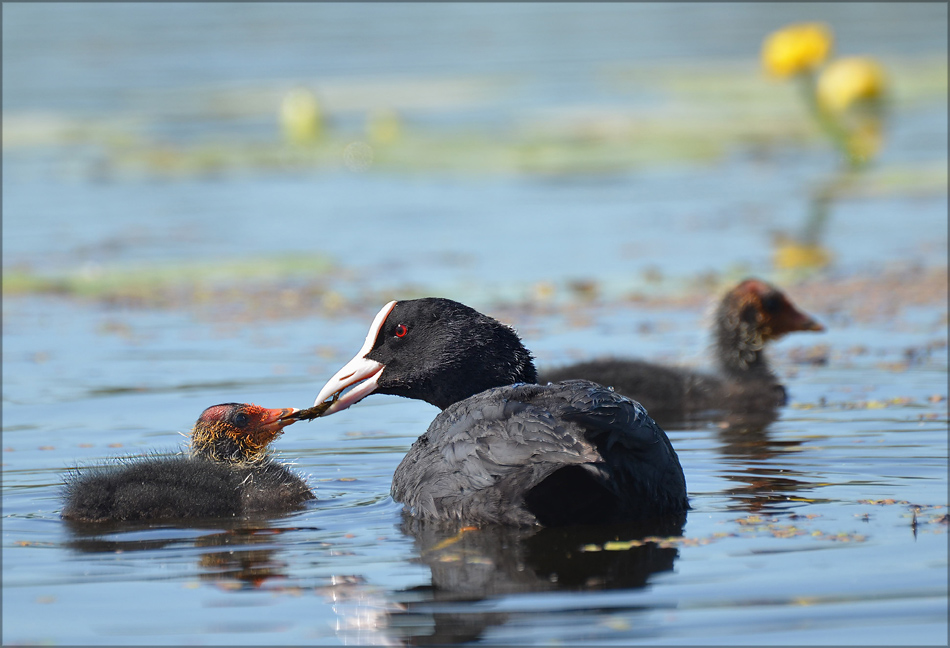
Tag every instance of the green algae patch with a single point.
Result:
(157, 284)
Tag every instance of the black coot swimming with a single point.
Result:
(506, 449)
(227, 473)
(748, 317)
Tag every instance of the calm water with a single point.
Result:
(801, 533)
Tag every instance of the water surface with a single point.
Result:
(827, 526)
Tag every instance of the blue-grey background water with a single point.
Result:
(141, 140)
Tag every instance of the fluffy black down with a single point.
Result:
(180, 487)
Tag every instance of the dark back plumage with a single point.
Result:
(747, 318)
(568, 453)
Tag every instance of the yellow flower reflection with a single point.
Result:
(865, 139)
(796, 49)
(848, 80)
(794, 255)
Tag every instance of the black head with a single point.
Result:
(237, 432)
(435, 350)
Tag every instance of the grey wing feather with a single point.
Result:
(505, 446)
(481, 454)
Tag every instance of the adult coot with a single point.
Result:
(748, 317)
(227, 473)
(505, 449)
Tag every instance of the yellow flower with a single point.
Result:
(300, 117)
(848, 80)
(796, 49)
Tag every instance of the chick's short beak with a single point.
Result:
(807, 323)
(276, 420)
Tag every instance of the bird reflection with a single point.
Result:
(473, 564)
(241, 568)
(244, 555)
(227, 559)
(467, 564)
(754, 459)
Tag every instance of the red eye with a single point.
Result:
(401, 330)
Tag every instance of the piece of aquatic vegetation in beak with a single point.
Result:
(312, 412)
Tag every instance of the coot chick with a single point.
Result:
(227, 473)
(505, 449)
(748, 317)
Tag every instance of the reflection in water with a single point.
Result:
(750, 459)
(474, 564)
(234, 566)
(241, 568)
(364, 612)
(245, 555)
(468, 565)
